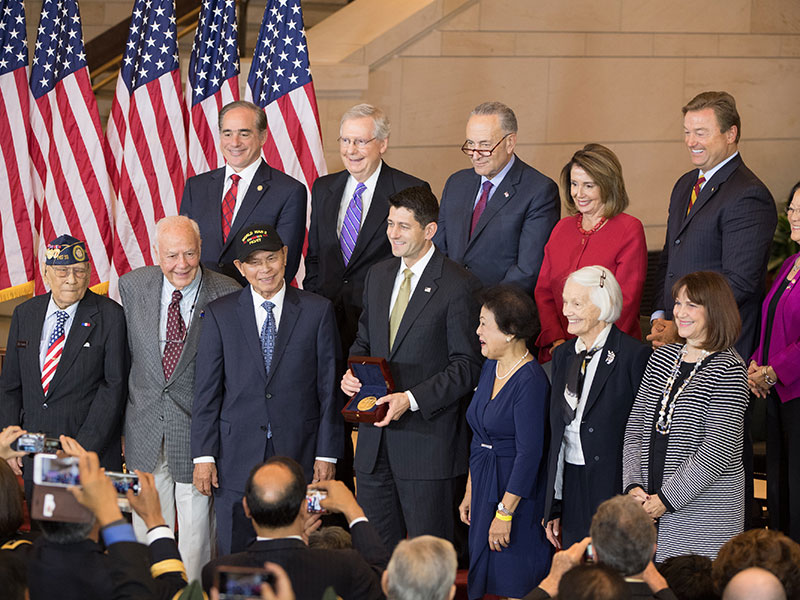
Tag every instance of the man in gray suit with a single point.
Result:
(164, 309)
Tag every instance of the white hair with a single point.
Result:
(604, 290)
(380, 121)
(177, 221)
(423, 568)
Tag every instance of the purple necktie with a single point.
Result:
(480, 206)
(351, 224)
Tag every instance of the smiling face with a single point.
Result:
(179, 255)
(586, 194)
(410, 240)
(361, 162)
(239, 138)
(793, 214)
(483, 132)
(581, 313)
(264, 271)
(492, 340)
(707, 145)
(690, 318)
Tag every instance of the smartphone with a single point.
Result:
(124, 482)
(33, 443)
(240, 583)
(49, 469)
(312, 500)
(588, 556)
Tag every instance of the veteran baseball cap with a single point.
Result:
(257, 237)
(65, 250)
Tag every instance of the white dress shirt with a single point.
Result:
(246, 175)
(366, 197)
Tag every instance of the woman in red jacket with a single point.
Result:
(597, 232)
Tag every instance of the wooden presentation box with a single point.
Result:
(376, 381)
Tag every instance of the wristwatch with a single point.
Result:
(501, 508)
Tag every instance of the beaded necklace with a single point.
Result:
(588, 232)
(792, 274)
(667, 408)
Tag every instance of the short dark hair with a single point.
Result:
(689, 576)
(332, 537)
(712, 291)
(603, 166)
(724, 107)
(765, 548)
(261, 116)
(795, 187)
(514, 311)
(420, 201)
(283, 511)
(11, 499)
(623, 534)
(13, 576)
(593, 582)
(65, 533)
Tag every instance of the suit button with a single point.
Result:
(677, 242)
(268, 395)
(466, 267)
(345, 281)
(263, 428)
(220, 264)
(161, 418)
(44, 406)
(670, 274)
(591, 429)
(596, 458)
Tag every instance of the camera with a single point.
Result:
(240, 583)
(49, 469)
(313, 499)
(124, 482)
(33, 443)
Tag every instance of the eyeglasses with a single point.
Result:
(359, 143)
(480, 151)
(64, 272)
(792, 209)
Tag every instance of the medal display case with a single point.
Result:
(376, 381)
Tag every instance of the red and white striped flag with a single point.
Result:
(17, 213)
(280, 82)
(71, 184)
(146, 134)
(212, 83)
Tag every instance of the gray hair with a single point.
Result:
(604, 290)
(260, 115)
(177, 221)
(382, 128)
(423, 568)
(623, 534)
(508, 120)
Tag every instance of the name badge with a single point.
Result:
(22, 343)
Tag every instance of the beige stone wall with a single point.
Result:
(575, 71)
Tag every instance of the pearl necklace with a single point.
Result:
(792, 274)
(664, 422)
(511, 370)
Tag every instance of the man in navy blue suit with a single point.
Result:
(245, 191)
(264, 385)
(496, 218)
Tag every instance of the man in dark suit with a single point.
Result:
(496, 217)
(163, 305)
(66, 366)
(275, 501)
(265, 383)
(420, 314)
(245, 191)
(721, 218)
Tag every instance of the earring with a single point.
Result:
(508, 339)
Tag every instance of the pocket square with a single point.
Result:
(87, 345)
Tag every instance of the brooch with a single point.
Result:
(610, 357)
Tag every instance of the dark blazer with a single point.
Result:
(88, 392)
(729, 230)
(235, 399)
(312, 570)
(639, 591)
(273, 197)
(616, 381)
(508, 243)
(326, 273)
(435, 355)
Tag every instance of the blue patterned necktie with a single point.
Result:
(268, 333)
(351, 224)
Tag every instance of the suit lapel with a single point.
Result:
(193, 333)
(258, 189)
(709, 189)
(215, 192)
(375, 220)
(385, 274)
(330, 216)
(32, 334)
(152, 331)
(289, 315)
(84, 322)
(246, 318)
(604, 368)
(464, 215)
(502, 196)
(423, 292)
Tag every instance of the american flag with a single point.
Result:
(146, 134)
(213, 81)
(280, 82)
(71, 184)
(17, 218)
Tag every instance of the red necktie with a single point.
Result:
(176, 332)
(228, 204)
(695, 192)
(480, 206)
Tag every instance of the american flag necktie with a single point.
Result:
(55, 345)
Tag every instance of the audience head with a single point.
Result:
(13, 576)
(412, 223)
(491, 138)
(689, 577)
(754, 583)
(66, 533)
(332, 537)
(178, 249)
(261, 258)
(508, 318)
(793, 212)
(592, 299)
(765, 548)
(593, 582)
(67, 270)
(242, 133)
(275, 493)
(11, 501)
(712, 128)
(423, 568)
(705, 311)
(623, 535)
(363, 139)
(592, 183)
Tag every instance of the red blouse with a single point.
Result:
(619, 245)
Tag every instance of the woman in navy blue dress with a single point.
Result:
(504, 501)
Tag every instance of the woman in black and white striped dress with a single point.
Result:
(682, 456)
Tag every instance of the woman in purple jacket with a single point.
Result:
(774, 373)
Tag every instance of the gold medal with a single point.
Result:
(367, 403)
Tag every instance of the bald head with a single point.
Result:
(754, 583)
(178, 249)
(275, 493)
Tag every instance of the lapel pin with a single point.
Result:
(260, 187)
(427, 290)
(505, 194)
(86, 324)
(87, 345)
(610, 357)
(202, 314)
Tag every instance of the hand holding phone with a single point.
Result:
(242, 583)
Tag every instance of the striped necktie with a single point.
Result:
(695, 193)
(228, 205)
(55, 345)
(400, 305)
(351, 224)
